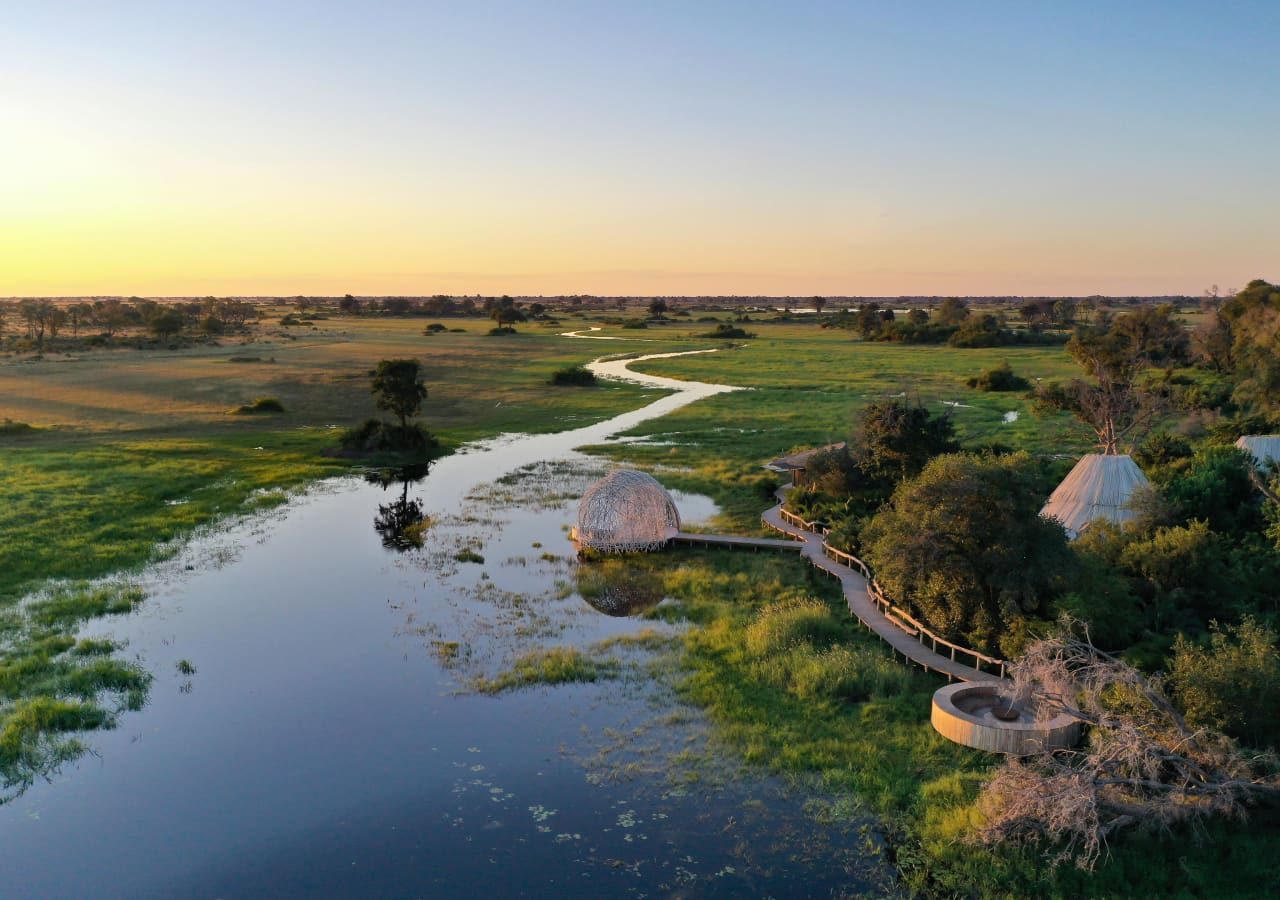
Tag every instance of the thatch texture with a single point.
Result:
(626, 511)
(1264, 447)
(1099, 487)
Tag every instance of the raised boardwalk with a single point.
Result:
(858, 595)
(894, 626)
(733, 541)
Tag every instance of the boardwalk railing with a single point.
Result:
(895, 614)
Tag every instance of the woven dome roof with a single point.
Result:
(1099, 487)
(626, 511)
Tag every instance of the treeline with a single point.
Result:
(32, 323)
(953, 323)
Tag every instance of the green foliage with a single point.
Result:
(789, 622)
(1214, 486)
(833, 472)
(1250, 327)
(259, 406)
(725, 331)
(1233, 684)
(557, 665)
(895, 439)
(1001, 378)
(1160, 449)
(166, 323)
(397, 387)
(52, 685)
(963, 545)
(10, 428)
(1182, 567)
(377, 436)
(574, 376)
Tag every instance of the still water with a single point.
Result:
(328, 744)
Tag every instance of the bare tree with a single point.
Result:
(1143, 768)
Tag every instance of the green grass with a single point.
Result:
(134, 450)
(796, 687)
(53, 686)
(556, 665)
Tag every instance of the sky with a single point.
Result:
(689, 147)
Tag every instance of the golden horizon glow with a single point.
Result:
(549, 154)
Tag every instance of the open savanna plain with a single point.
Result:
(133, 450)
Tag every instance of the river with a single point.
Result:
(327, 744)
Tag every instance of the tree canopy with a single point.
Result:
(398, 388)
(963, 545)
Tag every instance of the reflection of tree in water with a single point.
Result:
(400, 522)
(617, 589)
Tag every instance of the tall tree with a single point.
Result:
(963, 545)
(398, 388)
(1113, 404)
(953, 311)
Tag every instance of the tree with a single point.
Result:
(1252, 318)
(165, 323)
(657, 307)
(953, 311)
(505, 313)
(895, 439)
(397, 384)
(1144, 767)
(349, 305)
(917, 316)
(1233, 684)
(963, 545)
(869, 321)
(1113, 405)
(1154, 334)
(819, 304)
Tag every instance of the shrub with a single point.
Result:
(434, 328)
(725, 331)
(374, 435)
(1232, 685)
(259, 406)
(502, 329)
(1001, 378)
(10, 428)
(789, 623)
(574, 376)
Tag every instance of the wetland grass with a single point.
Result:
(556, 665)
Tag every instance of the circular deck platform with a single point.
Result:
(966, 713)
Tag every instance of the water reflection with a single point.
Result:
(401, 524)
(616, 589)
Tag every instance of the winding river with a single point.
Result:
(326, 744)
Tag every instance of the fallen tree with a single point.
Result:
(1143, 767)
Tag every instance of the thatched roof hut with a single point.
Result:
(624, 512)
(1099, 487)
(795, 464)
(1264, 447)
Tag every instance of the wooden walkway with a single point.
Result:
(735, 542)
(858, 594)
(897, 628)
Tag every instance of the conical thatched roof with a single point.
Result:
(1264, 447)
(1099, 487)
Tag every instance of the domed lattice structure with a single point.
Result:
(624, 512)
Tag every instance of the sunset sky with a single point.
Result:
(638, 147)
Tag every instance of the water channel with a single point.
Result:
(327, 744)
